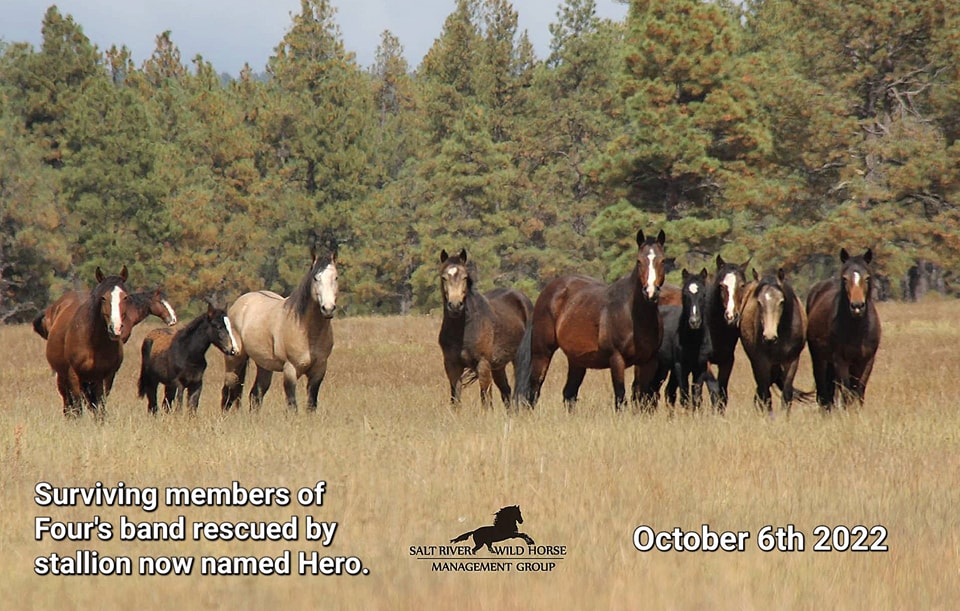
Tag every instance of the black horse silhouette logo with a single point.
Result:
(504, 527)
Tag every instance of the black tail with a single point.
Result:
(144, 367)
(522, 389)
(40, 325)
(462, 537)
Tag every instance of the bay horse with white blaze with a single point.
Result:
(84, 346)
(773, 330)
(598, 326)
(724, 301)
(177, 359)
(480, 333)
(293, 335)
(843, 331)
(139, 306)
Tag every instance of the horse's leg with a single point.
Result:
(235, 372)
(860, 377)
(673, 384)
(149, 388)
(684, 385)
(289, 385)
(485, 378)
(572, 387)
(724, 369)
(503, 384)
(527, 538)
(789, 372)
(821, 379)
(617, 370)
(454, 370)
(696, 391)
(193, 395)
(260, 387)
(171, 396)
(761, 398)
(644, 373)
(842, 370)
(71, 400)
(313, 389)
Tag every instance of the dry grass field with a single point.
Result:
(403, 469)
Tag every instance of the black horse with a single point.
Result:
(504, 527)
(178, 359)
(686, 347)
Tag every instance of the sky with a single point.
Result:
(229, 33)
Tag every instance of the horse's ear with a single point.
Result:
(720, 262)
(333, 253)
(747, 262)
(123, 273)
(463, 255)
(756, 276)
(844, 255)
(868, 256)
(98, 275)
(781, 275)
(685, 274)
(444, 256)
(661, 238)
(703, 273)
(640, 238)
(209, 309)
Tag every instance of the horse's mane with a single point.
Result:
(142, 299)
(300, 298)
(505, 515)
(191, 326)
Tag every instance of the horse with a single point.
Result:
(177, 359)
(686, 347)
(504, 527)
(724, 298)
(480, 333)
(84, 346)
(139, 306)
(598, 326)
(293, 335)
(773, 330)
(843, 330)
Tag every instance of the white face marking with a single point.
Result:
(730, 281)
(171, 315)
(694, 289)
(856, 278)
(233, 339)
(651, 275)
(452, 272)
(116, 321)
(693, 310)
(327, 289)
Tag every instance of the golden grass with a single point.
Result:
(404, 469)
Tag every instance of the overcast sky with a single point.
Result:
(229, 33)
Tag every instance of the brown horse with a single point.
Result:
(84, 346)
(843, 330)
(773, 330)
(293, 335)
(480, 333)
(139, 306)
(177, 359)
(724, 300)
(598, 326)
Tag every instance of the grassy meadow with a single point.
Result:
(403, 469)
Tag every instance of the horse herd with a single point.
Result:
(666, 333)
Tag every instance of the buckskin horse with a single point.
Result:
(598, 326)
(480, 333)
(177, 359)
(84, 346)
(843, 331)
(293, 335)
(773, 331)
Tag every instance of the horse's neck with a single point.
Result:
(192, 343)
(641, 309)
(313, 319)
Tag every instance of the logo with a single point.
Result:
(529, 558)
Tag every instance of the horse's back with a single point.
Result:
(159, 340)
(510, 303)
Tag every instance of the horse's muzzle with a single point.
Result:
(454, 309)
(857, 309)
(328, 312)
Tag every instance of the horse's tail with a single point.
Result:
(144, 367)
(804, 396)
(462, 537)
(40, 325)
(522, 389)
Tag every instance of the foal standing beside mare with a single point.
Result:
(773, 330)
(598, 326)
(843, 330)
(480, 333)
(293, 335)
(177, 359)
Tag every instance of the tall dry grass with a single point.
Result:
(404, 469)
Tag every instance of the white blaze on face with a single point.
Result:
(856, 278)
(651, 275)
(171, 315)
(771, 315)
(116, 320)
(233, 338)
(326, 287)
(730, 308)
